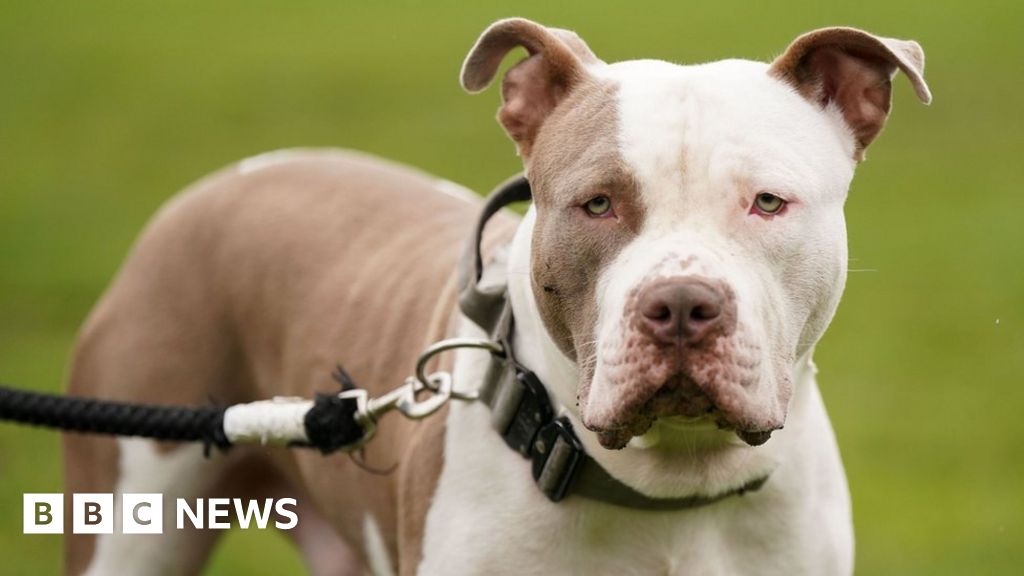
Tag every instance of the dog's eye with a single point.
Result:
(599, 206)
(768, 203)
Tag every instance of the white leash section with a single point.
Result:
(280, 420)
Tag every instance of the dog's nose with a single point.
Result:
(681, 311)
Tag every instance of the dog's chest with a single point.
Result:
(488, 517)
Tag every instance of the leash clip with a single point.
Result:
(405, 400)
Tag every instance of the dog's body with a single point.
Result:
(256, 283)
(685, 251)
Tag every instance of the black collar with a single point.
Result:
(521, 410)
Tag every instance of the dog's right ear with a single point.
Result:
(556, 63)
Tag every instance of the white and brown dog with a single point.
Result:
(684, 252)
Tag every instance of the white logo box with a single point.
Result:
(43, 513)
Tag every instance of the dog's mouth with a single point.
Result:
(617, 438)
(679, 404)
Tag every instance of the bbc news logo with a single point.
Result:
(144, 513)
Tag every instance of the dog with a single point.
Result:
(684, 251)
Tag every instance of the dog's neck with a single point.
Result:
(665, 462)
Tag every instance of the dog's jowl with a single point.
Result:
(684, 251)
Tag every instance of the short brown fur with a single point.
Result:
(255, 285)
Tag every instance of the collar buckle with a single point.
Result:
(557, 455)
(521, 407)
(522, 413)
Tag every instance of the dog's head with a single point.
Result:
(689, 243)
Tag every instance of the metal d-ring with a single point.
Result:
(452, 344)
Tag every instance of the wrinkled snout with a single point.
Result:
(683, 354)
(677, 321)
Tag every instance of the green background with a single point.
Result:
(108, 108)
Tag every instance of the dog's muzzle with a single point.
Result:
(682, 355)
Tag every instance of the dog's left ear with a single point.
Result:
(853, 70)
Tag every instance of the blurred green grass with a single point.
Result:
(108, 108)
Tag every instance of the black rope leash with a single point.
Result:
(78, 414)
(330, 424)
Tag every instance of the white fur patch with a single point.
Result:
(145, 470)
(376, 550)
